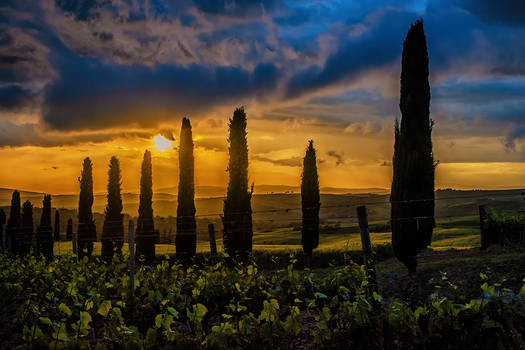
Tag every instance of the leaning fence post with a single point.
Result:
(131, 243)
(4, 226)
(370, 264)
(213, 245)
(74, 243)
(483, 232)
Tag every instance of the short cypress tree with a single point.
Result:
(14, 223)
(113, 228)
(56, 235)
(310, 203)
(145, 226)
(69, 231)
(86, 232)
(44, 232)
(237, 219)
(27, 229)
(412, 193)
(186, 236)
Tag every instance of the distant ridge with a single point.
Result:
(219, 191)
(211, 201)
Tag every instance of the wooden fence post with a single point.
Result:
(213, 245)
(131, 244)
(483, 216)
(74, 242)
(370, 264)
(4, 228)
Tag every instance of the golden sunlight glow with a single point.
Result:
(162, 143)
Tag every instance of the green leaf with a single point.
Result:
(85, 319)
(320, 295)
(420, 311)
(104, 308)
(62, 332)
(173, 312)
(63, 308)
(199, 310)
(158, 321)
(46, 321)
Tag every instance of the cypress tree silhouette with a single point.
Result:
(86, 232)
(237, 219)
(413, 162)
(186, 236)
(145, 226)
(56, 235)
(44, 231)
(27, 229)
(310, 203)
(44, 236)
(113, 229)
(69, 232)
(14, 223)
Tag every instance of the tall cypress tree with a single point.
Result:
(86, 232)
(27, 229)
(310, 203)
(56, 235)
(44, 236)
(145, 226)
(412, 193)
(186, 236)
(14, 223)
(113, 229)
(237, 219)
(69, 231)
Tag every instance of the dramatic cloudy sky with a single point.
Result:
(103, 77)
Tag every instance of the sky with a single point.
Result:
(99, 78)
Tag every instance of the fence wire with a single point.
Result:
(288, 217)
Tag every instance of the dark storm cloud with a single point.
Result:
(28, 134)
(496, 99)
(14, 97)
(93, 64)
(236, 7)
(480, 90)
(509, 12)
(92, 94)
(373, 49)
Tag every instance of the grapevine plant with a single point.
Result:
(66, 303)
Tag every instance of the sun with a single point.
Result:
(162, 143)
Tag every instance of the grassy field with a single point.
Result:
(460, 233)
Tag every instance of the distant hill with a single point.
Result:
(219, 191)
(277, 210)
(449, 202)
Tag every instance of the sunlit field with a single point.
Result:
(461, 233)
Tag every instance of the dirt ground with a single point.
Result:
(454, 274)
